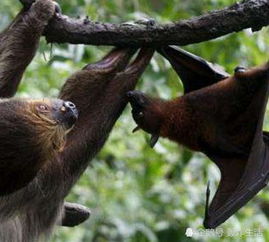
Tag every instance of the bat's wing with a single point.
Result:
(241, 179)
(194, 71)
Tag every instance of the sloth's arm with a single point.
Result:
(19, 42)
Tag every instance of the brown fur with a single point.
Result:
(28, 138)
(99, 92)
(215, 119)
(50, 134)
(20, 39)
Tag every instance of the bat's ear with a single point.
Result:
(194, 71)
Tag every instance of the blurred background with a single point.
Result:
(136, 193)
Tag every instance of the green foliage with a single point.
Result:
(138, 194)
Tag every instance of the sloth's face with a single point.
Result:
(52, 119)
(56, 112)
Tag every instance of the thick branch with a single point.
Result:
(247, 14)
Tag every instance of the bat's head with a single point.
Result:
(147, 113)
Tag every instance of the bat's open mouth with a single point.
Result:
(138, 102)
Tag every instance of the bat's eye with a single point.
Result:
(140, 114)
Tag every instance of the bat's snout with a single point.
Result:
(137, 99)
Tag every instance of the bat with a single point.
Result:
(219, 115)
(232, 194)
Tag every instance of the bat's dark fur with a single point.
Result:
(221, 116)
(99, 92)
(203, 119)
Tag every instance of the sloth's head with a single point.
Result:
(146, 113)
(53, 112)
(36, 124)
(53, 119)
(32, 132)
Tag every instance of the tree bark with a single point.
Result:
(246, 14)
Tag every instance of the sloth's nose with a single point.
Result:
(69, 105)
(70, 113)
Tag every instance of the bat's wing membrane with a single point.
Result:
(194, 71)
(241, 179)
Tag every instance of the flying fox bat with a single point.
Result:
(219, 115)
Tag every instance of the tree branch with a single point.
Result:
(246, 14)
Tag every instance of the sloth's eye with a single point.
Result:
(43, 107)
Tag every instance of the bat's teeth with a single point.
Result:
(136, 129)
(153, 140)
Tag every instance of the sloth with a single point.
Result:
(31, 133)
(40, 141)
(205, 119)
(220, 115)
